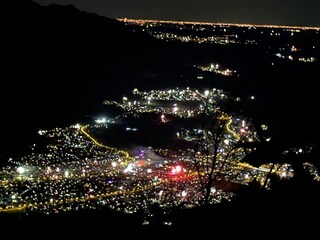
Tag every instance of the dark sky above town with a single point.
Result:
(280, 12)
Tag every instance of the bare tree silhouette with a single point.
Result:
(218, 150)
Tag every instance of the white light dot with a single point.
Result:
(21, 170)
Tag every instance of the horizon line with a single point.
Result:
(143, 21)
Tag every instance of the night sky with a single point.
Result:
(280, 12)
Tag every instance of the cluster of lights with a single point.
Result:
(154, 101)
(77, 171)
(143, 22)
(216, 68)
(53, 185)
(107, 174)
(222, 40)
(225, 34)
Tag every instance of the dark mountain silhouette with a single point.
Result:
(62, 52)
(61, 63)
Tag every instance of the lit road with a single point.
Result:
(122, 153)
(230, 131)
(13, 209)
